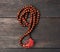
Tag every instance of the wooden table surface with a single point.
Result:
(46, 34)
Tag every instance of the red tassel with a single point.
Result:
(29, 44)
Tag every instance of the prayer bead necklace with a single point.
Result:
(22, 18)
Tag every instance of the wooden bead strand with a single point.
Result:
(22, 18)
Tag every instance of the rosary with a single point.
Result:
(34, 19)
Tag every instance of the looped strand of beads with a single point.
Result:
(22, 18)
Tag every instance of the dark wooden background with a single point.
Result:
(46, 33)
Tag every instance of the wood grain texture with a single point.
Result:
(46, 34)
(46, 7)
(29, 50)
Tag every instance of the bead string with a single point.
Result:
(22, 18)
